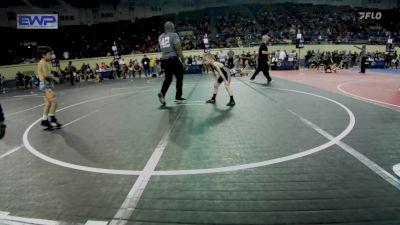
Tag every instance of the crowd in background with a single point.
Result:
(347, 59)
(151, 67)
(226, 27)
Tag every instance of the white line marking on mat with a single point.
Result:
(133, 197)
(184, 104)
(14, 113)
(19, 147)
(11, 151)
(95, 222)
(122, 88)
(24, 220)
(22, 96)
(82, 117)
(321, 147)
(339, 87)
(360, 157)
(30, 148)
(2, 213)
(396, 169)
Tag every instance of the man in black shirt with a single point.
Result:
(363, 58)
(263, 60)
(19, 79)
(70, 69)
(146, 65)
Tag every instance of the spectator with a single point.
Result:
(159, 68)
(116, 67)
(153, 68)
(137, 69)
(231, 56)
(19, 79)
(221, 57)
(146, 65)
(28, 81)
(198, 60)
(2, 84)
(130, 70)
(66, 55)
(125, 71)
(189, 60)
(70, 70)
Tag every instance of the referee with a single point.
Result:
(363, 55)
(263, 60)
(171, 49)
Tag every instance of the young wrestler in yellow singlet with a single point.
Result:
(46, 85)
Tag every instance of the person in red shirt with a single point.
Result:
(137, 69)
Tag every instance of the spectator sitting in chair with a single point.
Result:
(137, 69)
(330, 66)
(28, 81)
(125, 71)
(130, 70)
(19, 78)
(2, 84)
(70, 70)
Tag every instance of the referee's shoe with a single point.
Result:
(180, 100)
(161, 98)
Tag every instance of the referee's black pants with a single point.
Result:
(230, 63)
(1, 114)
(263, 69)
(363, 65)
(172, 66)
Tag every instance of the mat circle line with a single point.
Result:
(321, 147)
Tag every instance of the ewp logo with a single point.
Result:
(370, 15)
(37, 21)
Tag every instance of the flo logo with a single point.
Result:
(370, 15)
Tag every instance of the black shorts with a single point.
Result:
(226, 73)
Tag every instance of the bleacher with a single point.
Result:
(11, 3)
(91, 3)
(223, 24)
(44, 3)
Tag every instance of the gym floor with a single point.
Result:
(309, 148)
